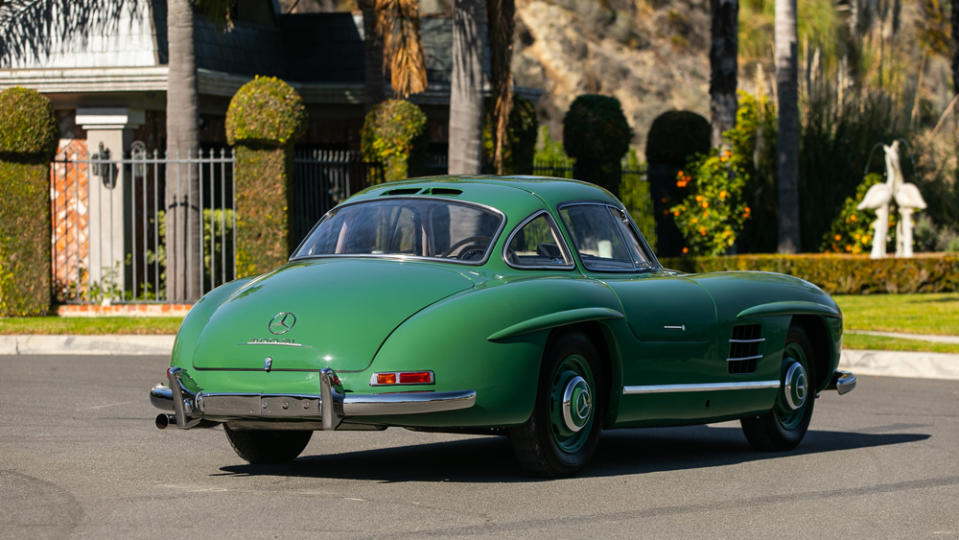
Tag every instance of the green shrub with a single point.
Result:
(596, 135)
(851, 231)
(520, 138)
(634, 192)
(28, 129)
(753, 142)
(264, 120)
(711, 216)
(28, 140)
(674, 138)
(394, 133)
(843, 274)
(265, 111)
(836, 144)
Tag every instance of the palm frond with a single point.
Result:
(398, 26)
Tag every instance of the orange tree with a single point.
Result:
(713, 211)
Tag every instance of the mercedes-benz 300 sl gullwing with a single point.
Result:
(528, 307)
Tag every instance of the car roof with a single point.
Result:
(502, 192)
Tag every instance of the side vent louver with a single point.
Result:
(744, 348)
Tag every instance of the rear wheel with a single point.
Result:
(267, 446)
(784, 426)
(562, 433)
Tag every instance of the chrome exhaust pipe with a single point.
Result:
(164, 420)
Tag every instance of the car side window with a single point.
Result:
(599, 238)
(629, 234)
(537, 244)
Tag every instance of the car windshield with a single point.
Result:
(416, 227)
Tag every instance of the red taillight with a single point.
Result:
(416, 377)
(402, 377)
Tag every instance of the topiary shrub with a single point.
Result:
(520, 139)
(265, 118)
(596, 134)
(265, 111)
(394, 134)
(28, 140)
(674, 138)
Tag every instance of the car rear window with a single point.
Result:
(414, 227)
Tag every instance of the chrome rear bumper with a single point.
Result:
(842, 382)
(325, 410)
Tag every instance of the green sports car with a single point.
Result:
(524, 306)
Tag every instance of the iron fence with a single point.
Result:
(116, 221)
(563, 168)
(110, 217)
(323, 179)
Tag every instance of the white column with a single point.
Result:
(110, 129)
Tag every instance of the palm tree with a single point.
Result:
(373, 55)
(466, 87)
(723, 50)
(954, 19)
(502, 17)
(183, 228)
(787, 140)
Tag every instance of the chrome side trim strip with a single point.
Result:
(757, 340)
(737, 359)
(703, 387)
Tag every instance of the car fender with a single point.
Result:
(197, 318)
(491, 339)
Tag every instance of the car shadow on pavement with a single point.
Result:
(620, 452)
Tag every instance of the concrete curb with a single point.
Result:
(901, 364)
(888, 363)
(105, 345)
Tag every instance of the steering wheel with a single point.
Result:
(474, 242)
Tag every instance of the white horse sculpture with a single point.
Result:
(907, 198)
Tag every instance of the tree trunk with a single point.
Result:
(502, 22)
(184, 269)
(466, 87)
(954, 16)
(787, 141)
(373, 55)
(723, 66)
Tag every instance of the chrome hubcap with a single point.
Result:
(795, 389)
(577, 404)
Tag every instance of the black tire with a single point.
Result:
(267, 446)
(783, 427)
(544, 445)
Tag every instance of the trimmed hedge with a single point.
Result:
(27, 125)
(520, 145)
(843, 274)
(28, 140)
(394, 133)
(596, 134)
(265, 118)
(265, 111)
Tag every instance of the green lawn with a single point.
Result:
(911, 313)
(90, 325)
(881, 343)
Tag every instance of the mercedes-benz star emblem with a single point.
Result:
(281, 323)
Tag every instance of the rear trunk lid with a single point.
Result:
(321, 313)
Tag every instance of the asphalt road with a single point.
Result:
(80, 458)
